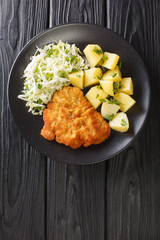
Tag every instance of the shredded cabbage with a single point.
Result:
(47, 73)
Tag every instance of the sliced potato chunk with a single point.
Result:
(120, 122)
(108, 109)
(76, 79)
(95, 96)
(109, 60)
(107, 86)
(93, 54)
(114, 75)
(92, 76)
(126, 102)
(126, 86)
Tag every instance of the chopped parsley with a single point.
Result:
(74, 70)
(113, 101)
(120, 64)
(98, 51)
(97, 96)
(73, 58)
(120, 85)
(99, 77)
(109, 117)
(99, 86)
(123, 122)
(105, 58)
(39, 86)
(78, 75)
(114, 74)
(115, 87)
(63, 74)
(39, 101)
(102, 100)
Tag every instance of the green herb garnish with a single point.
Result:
(120, 85)
(123, 122)
(63, 74)
(120, 64)
(98, 51)
(114, 74)
(39, 101)
(109, 117)
(99, 77)
(72, 59)
(74, 70)
(39, 86)
(50, 52)
(78, 75)
(38, 108)
(113, 101)
(99, 86)
(115, 87)
(103, 59)
(27, 86)
(97, 96)
(102, 100)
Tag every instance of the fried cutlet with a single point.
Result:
(70, 119)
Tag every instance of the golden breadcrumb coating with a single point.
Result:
(70, 119)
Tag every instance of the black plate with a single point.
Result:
(81, 35)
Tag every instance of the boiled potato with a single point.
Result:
(93, 54)
(126, 86)
(109, 109)
(119, 122)
(114, 75)
(107, 86)
(92, 76)
(76, 79)
(109, 60)
(95, 96)
(126, 102)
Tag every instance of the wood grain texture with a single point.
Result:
(22, 169)
(115, 200)
(76, 194)
(133, 176)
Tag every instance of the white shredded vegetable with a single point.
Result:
(47, 73)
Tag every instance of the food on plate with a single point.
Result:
(126, 86)
(108, 86)
(93, 53)
(109, 60)
(92, 76)
(109, 109)
(120, 122)
(126, 102)
(77, 79)
(114, 75)
(48, 72)
(70, 119)
(96, 96)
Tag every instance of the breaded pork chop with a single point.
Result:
(71, 120)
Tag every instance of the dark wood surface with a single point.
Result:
(41, 198)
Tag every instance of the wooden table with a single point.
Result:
(41, 198)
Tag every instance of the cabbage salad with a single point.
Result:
(47, 73)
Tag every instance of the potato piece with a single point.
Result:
(108, 109)
(120, 122)
(126, 102)
(126, 86)
(92, 76)
(93, 54)
(107, 86)
(114, 75)
(94, 95)
(109, 60)
(76, 79)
